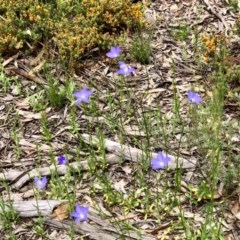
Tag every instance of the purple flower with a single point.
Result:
(124, 69)
(194, 97)
(83, 95)
(80, 213)
(40, 183)
(114, 52)
(62, 160)
(160, 161)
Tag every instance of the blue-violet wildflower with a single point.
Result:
(114, 52)
(124, 69)
(80, 213)
(194, 97)
(40, 183)
(62, 160)
(160, 161)
(82, 95)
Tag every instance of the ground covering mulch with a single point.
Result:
(156, 80)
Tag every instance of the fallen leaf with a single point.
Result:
(173, 8)
(127, 169)
(235, 208)
(61, 212)
(119, 186)
(24, 104)
(28, 194)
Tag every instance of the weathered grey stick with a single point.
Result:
(97, 232)
(135, 154)
(98, 229)
(46, 171)
(119, 151)
(33, 208)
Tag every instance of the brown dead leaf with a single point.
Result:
(125, 217)
(105, 71)
(61, 212)
(36, 60)
(25, 145)
(24, 104)
(235, 209)
(102, 209)
(37, 68)
(8, 98)
(134, 131)
(127, 169)
(28, 194)
(25, 74)
(6, 62)
(173, 8)
(28, 116)
(24, 142)
(151, 97)
(160, 227)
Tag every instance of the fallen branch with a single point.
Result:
(19, 178)
(27, 75)
(34, 208)
(95, 228)
(97, 232)
(119, 151)
(135, 154)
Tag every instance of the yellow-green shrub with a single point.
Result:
(22, 22)
(77, 27)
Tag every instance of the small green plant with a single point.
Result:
(56, 94)
(204, 191)
(38, 101)
(5, 81)
(45, 128)
(17, 148)
(182, 32)
(72, 118)
(39, 228)
(237, 26)
(15, 136)
(60, 187)
(233, 76)
(234, 5)
(231, 175)
(69, 88)
(17, 88)
(7, 215)
(141, 48)
(12, 236)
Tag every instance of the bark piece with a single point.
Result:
(33, 208)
